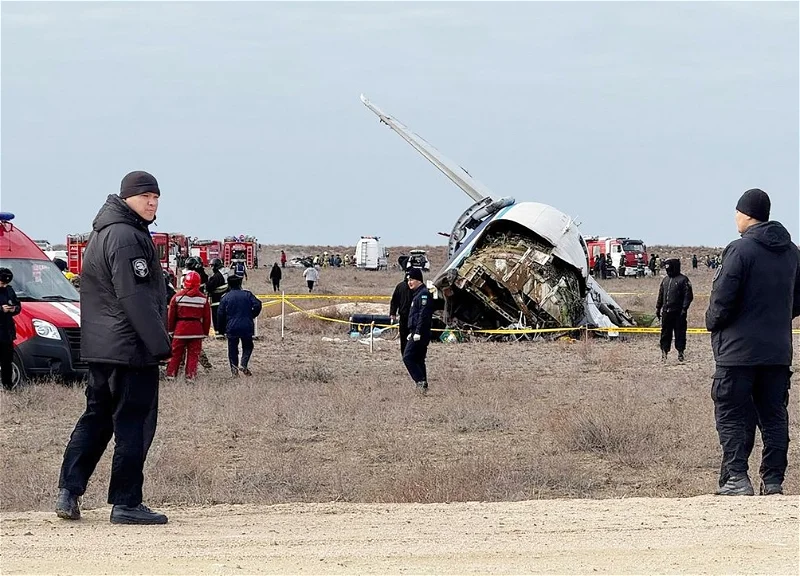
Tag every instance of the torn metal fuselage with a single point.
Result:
(513, 265)
(522, 266)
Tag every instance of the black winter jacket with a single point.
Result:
(675, 293)
(401, 300)
(236, 312)
(8, 329)
(216, 286)
(754, 297)
(123, 294)
(420, 313)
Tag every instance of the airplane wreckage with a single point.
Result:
(512, 264)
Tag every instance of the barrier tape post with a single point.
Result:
(283, 312)
(372, 337)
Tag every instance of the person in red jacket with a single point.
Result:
(189, 320)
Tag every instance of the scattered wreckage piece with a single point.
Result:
(513, 265)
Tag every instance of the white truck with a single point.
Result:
(371, 254)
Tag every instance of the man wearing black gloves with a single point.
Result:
(419, 328)
(755, 295)
(398, 310)
(674, 297)
(123, 338)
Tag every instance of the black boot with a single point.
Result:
(663, 355)
(140, 514)
(736, 486)
(67, 505)
(770, 489)
(681, 357)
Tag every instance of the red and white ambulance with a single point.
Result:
(48, 342)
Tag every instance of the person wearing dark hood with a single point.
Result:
(9, 307)
(419, 330)
(123, 338)
(399, 308)
(275, 276)
(755, 295)
(694, 261)
(675, 295)
(237, 312)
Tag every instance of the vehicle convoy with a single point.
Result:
(513, 264)
(619, 248)
(48, 328)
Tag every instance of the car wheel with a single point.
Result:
(18, 377)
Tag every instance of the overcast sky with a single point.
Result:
(640, 119)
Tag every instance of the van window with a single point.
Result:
(39, 281)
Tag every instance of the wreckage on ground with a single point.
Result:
(513, 264)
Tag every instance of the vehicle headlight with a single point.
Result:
(46, 330)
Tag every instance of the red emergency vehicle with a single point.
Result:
(172, 249)
(240, 248)
(206, 250)
(619, 248)
(48, 340)
(76, 245)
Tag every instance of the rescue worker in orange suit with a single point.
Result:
(674, 298)
(419, 330)
(189, 320)
(193, 263)
(8, 331)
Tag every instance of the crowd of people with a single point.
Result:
(130, 326)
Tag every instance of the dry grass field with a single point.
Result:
(323, 419)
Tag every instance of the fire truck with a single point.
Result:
(619, 248)
(241, 248)
(76, 245)
(206, 250)
(172, 249)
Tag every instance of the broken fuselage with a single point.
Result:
(513, 265)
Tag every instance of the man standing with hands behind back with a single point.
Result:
(419, 330)
(755, 295)
(123, 338)
(399, 308)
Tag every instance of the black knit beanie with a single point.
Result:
(137, 183)
(415, 273)
(755, 203)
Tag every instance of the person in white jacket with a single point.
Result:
(311, 274)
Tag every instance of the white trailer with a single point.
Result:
(371, 254)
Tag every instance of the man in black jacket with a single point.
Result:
(123, 338)
(9, 307)
(419, 328)
(217, 286)
(755, 295)
(674, 297)
(398, 309)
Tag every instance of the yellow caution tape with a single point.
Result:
(615, 329)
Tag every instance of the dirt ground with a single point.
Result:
(702, 535)
(475, 478)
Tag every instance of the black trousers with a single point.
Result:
(403, 329)
(124, 402)
(673, 322)
(310, 285)
(276, 285)
(414, 359)
(233, 350)
(746, 397)
(214, 322)
(6, 359)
